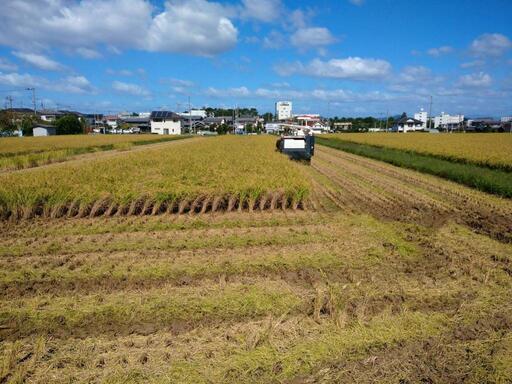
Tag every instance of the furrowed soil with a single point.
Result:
(393, 276)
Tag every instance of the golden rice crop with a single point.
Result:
(26, 152)
(219, 173)
(490, 149)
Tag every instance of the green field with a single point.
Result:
(385, 275)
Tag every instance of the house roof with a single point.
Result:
(406, 119)
(164, 115)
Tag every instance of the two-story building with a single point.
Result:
(165, 123)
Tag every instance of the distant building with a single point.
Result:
(50, 115)
(194, 112)
(44, 130)
(422, 116)
(165, 123)
(342, 125)
(506, 119)
(283, 110)
(308, 119)
(273, 128)
(137, 124)
(407, 124)
(112, 121)
(448, 122)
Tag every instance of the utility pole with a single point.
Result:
(189, 116)
(33, 98)
(9, 100)
(387, 119)
(430, 113)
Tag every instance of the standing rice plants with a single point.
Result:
(493, 150)
(224, 173)
(28, 152)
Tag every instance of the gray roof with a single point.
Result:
(164, 115)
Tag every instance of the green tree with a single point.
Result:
(268, 117)
(7, 122)
(69, 125)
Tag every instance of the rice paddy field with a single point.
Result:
(369, 273)
(26, 152)
(489, 149)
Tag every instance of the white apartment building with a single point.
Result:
(165, 123)
(283, 110)
(506, 119)
(447, 121)
(195, 112)
(423, 117)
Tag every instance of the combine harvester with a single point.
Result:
(299, 146)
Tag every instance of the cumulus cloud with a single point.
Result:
(193, 26)
(39, 61)
(70, 84)
(198, 27)
(354, 68)
(261, 10)
(312, 37)
(436, 52)
(129, 88)
(74, 84)
(475, 80)
(490, 44)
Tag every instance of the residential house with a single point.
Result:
(407, 124)
(165, 123)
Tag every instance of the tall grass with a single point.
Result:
(28, 152)
(498, 182)
(220, 173)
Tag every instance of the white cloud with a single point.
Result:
(39, 61)
(475, 80)
(472, 64)
(88, 53)
(230, 92)
(436, 52)
(129, 88)
(305, 38)
(354, 68)
(198, 27)
(274, 40)
(6, 65)
(73, 84)
(70, 84)
(192, 26)
(491, 44)
(261, 10)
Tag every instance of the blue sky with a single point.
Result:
(343, 57)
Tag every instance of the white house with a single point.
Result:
(447, 121)
(283, 110)
(44, 130)
(165, 123)
(407, 124)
